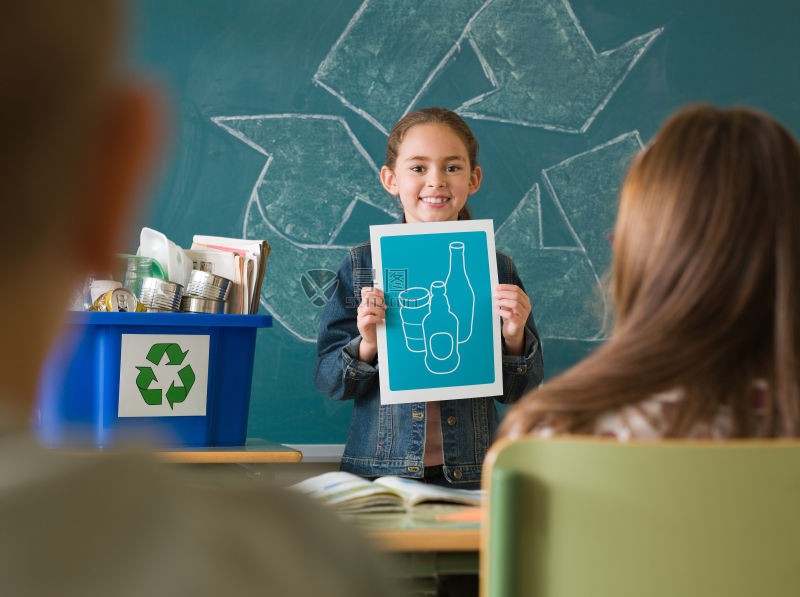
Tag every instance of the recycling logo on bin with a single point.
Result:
(163, 375)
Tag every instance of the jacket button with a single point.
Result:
(451, 420)
(457, 473)
(417, 415)
(413, 469)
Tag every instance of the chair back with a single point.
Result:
(598, 518)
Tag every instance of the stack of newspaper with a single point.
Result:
(240, 260)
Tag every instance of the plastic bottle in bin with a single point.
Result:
(135, 268)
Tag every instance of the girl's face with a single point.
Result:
(432, 174)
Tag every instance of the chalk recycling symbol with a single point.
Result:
(154, 396)
(532, 64)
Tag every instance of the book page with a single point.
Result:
(239, 299)
(260, 268)
(213, 261)
(254, 254)
(415, 492)
(248, 279)
(350, 493)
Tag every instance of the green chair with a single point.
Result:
(597, 518)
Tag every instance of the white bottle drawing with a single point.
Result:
(414, 306)
(459, 291)
(440, 328)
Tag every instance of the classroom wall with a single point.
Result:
(279, 115)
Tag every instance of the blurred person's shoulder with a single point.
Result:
(123, 524)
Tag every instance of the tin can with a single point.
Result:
(198, 304)
(160, 295)
(117, 300)
(208, 285)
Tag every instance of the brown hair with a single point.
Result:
(705, 274)
(433, 115)
(56, 61)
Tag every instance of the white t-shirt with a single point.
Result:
(650, 419)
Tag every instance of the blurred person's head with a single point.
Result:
(76, 139)
(706, 256)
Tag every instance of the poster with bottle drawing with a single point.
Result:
(441, 339)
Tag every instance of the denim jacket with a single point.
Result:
(390, 439)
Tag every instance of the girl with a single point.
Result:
(705, 279)
(431, 166)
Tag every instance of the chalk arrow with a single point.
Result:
(585, 188)
(391, 51)
(282, 293)
(546, 72)
(558, 280)
(564, 281)
(315, 173)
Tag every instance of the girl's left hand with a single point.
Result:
(515, 306)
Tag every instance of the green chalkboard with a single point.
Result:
(280, 110)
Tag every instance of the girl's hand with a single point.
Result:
(371, 312)
(515, 306)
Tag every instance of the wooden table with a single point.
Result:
(425, 545)
(255, 451)
(425, 528)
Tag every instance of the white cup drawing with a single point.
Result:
(414, 306)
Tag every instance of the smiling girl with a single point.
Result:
(432, 168)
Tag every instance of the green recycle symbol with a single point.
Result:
(175, 394)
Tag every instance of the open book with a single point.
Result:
(240, 260)
(350, 493)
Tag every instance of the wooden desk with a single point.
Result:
(424, 546)
(255, 461)
(420, 530)
(255, 451)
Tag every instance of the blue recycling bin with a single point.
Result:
(173, 379)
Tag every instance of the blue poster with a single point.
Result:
(441, 339)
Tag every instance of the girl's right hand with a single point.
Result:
(371, 312)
